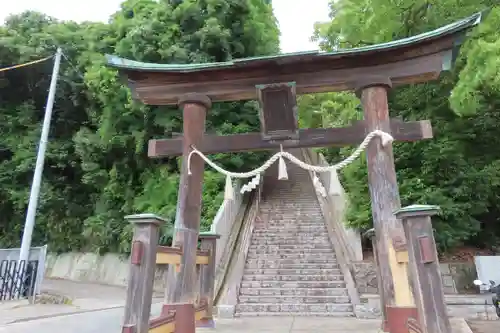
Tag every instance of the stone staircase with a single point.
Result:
(291, 267)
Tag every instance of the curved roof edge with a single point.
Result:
(458, 26)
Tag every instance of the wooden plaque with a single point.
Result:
(426, 250)
(278, 111)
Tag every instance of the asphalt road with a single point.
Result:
(108, 321)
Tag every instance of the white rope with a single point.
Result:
(385, 137)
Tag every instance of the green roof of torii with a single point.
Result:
(126, 64)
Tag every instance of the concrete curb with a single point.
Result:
(74, 309)
(463, 326)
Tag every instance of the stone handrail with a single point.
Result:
(227, 296)
(223, 224)
(332, 208)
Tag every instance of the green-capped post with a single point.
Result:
(424, 267)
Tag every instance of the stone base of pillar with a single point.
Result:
(385, 326)
(398, 318)
(184, 316)
(225, 311)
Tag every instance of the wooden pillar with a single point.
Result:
(424, 268)
(370, 234)
(389, 233)
(142, 272)
(181, 283)
(208, 243)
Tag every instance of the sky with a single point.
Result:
(296, 17)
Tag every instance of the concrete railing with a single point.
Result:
(226, 297)
(227, 224)
(224, 220)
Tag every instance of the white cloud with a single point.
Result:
(296, 17)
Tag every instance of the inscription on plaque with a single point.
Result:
(278, 111)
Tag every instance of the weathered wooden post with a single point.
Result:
(389, 234)
(208, 243)
(424, 268)
(142, 272)
(181, 283)
(370, 234)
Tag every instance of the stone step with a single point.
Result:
(282, 210)
(263, 229)
(302, 204)
(271, 222)
(294, 220)
(289, 233)
(294, 299)
(259, 253)
(291, 268)
(274, 265)
(312, 260)
(303, 201)
(292, 255)
(293, 292)
(272, 307)
(285, 247)
(284, 271)
(264, 250)
(297, 239)
(290, 212)
(297, 285)
(347, 314)
(290, 237)
(282, 226)
(296, 277)
(296, 242)
(278, 229)
(293, 217)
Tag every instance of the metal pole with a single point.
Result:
(37, 177)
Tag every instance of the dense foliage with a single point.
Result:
(96, 168)
(97, 171)
(459, 169)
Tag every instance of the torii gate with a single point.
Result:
(275, 81)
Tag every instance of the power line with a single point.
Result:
(72, 66)
(25, 64)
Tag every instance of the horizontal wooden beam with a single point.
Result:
(155, 90)
(172, 256)
(162, 324)
(308, 138)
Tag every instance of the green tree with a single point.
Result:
(458, 169)
(96, 169)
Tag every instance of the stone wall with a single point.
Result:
(111, 269)
(460, 306)
(457, 277)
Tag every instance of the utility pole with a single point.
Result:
(37, 177)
